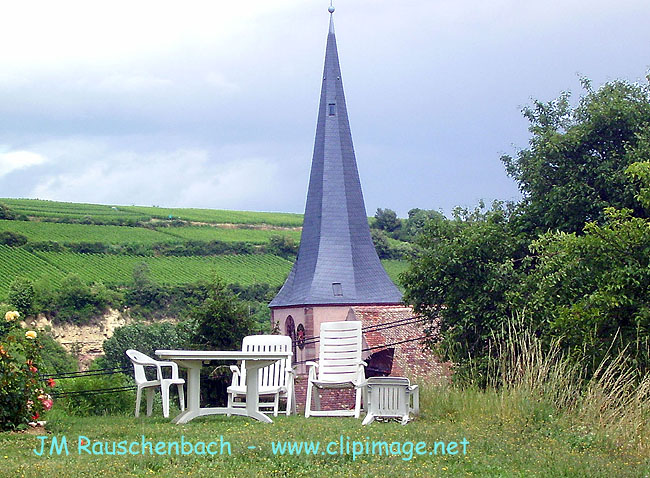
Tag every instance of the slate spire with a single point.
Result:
(337, 262)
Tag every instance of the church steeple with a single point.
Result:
(337, 262)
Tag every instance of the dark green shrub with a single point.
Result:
(145, 338)
(13, 239)
(282, 246)
(6, 213)
(77, 302)
(78, 403)
(47, 246)
(54, 357)
(22, 295)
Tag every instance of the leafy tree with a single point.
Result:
(380, 241)
(386, 220)
(78, 302)
(463, 271)
(416, 222)
(222, 320)
(591, 290)
(143, 337)
(641, 172)
(22, 296)
(575, 165)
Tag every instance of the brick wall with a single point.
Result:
(413, 359)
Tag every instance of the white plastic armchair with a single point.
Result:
(340, 366)
(140, 361)
(392, 397)
(276, 380)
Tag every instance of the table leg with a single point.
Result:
(193, 394)
(252, 392)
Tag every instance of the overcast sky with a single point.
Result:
(213, 104)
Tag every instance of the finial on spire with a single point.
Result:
(331, 7)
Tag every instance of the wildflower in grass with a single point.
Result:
(30, 364)
(30, 334)
(50, 382)
(12, 315)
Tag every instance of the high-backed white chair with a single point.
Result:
(140, 361)
(340, 366)
(276, 380)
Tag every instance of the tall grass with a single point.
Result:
(533, 384)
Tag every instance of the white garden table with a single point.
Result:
(193, 360)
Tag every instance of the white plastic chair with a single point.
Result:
(340, 366)
(391, 397)
(140, 361)
(276, 380)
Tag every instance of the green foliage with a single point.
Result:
(380, 241)
(575, 165)
(283, 246)
(22, 398)
(463, 271)
(640, 171)
(145, 338)
(222, 320)
(21, 295)
(13, 239)
(416, 223)
(591, 291)
(386, 220)
(78, 302)
(54, 358)
(5, 212)
(88, 404)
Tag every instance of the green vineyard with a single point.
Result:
(17, 262)
(118, 269)
(229, 234)
(54, 209)
(38, 231)
(218, 216)
(256, 228)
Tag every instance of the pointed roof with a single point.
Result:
(337, 262)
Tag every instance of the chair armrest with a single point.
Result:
(173, 365)
(365, 364)
(312, 370)
(236, 374)
(414, 391)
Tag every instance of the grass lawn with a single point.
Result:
(507, 438)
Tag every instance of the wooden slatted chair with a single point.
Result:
(140, 361)
(276, 380)
(340, 366)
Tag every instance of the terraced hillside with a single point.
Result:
(47, 236)
(53, 209)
